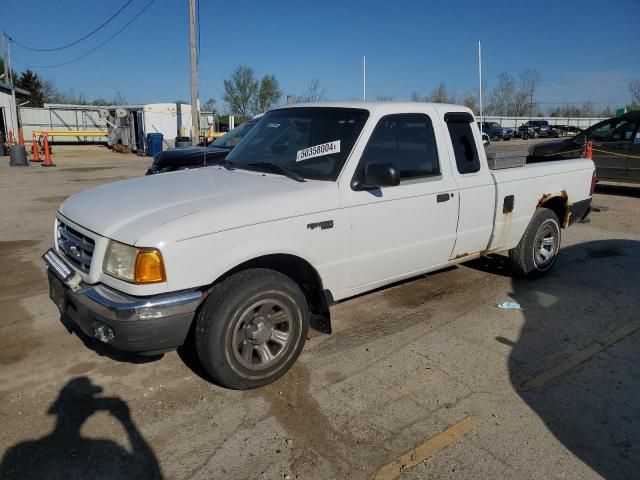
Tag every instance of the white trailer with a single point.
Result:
(129, 125)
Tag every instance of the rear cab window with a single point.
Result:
(463, 142)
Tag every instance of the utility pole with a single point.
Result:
(480, 79)
(5, 56)
(364, 78)
(531, 103)
(8, 78)
(195, 115)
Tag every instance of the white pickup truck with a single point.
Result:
(318, 203)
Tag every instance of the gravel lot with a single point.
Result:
(550, 391)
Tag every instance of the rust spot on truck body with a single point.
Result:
(544, 199)
(563, 215)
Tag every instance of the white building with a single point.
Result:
(8, 111)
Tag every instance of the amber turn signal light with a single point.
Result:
(149, 267)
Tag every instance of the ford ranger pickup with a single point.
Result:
(316, 204)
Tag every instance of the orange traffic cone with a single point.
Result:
(20, 137)
(47, 153)
(11, 136)
(588, 150)
(34, 149)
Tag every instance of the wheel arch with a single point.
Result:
(301, 272)
(558, 204)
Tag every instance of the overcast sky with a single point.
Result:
(584, 50)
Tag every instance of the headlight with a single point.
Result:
(134, 265)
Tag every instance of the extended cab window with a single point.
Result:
(406, 141)
(464, 146)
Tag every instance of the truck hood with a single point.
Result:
(128, 209)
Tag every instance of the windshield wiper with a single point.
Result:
(275, 168)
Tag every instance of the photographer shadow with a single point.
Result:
(66, 454)
(576, 361)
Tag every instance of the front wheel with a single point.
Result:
(252, 328)
(538, 248)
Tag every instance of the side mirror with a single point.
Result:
(377, 175)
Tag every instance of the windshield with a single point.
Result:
(232, 138)
(312, 142)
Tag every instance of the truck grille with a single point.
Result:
(76, 247)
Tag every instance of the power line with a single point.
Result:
(77, 41)
(93, 49)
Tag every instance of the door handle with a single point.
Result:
(443, 197)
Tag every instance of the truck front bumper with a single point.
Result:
(145, 325)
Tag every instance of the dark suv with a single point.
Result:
(496, 131)
(535, 129)
(616, 148)
(195, 157)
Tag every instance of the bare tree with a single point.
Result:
(119, 99)
(470, 100)
(315, 93)
(415, 97)
(566, 111)
(209, 105)
(605, 112)
(502, 96)
(384, 98)
(71, 97)
(587, 109)
(634, 89)
(268, 94)
(523, 103)
(49, 90)
(440, 95)
(240, 90)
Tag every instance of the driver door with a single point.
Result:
(396, 232)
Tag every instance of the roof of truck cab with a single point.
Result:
(391, 107)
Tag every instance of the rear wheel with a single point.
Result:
(252, 328)
(537, 251)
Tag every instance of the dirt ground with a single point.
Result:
(550, 391)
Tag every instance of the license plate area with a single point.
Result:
(57, 292)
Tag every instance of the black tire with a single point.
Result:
(234, 327)
(543, 233)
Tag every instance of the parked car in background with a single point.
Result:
(535, 129)
(496, 131)
(616, 147)
(195, 157)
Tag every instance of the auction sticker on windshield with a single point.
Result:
(318, 151)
